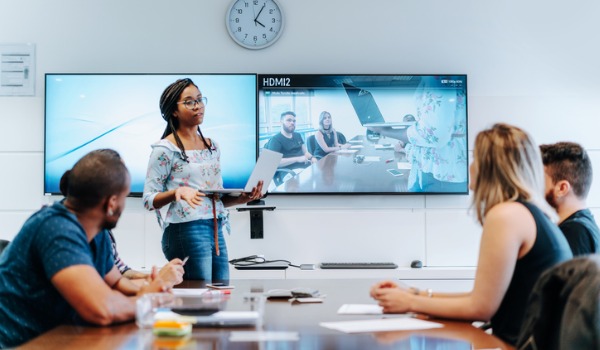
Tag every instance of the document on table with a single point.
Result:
(185, 292)
(346, 151)
(404, 165)
(381, 325)
(372, 159)
(244, 336)
(360, 309)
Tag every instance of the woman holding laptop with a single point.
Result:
(182, 165)
(519, 241)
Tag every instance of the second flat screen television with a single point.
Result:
(366, 134)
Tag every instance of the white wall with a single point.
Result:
(533, 64)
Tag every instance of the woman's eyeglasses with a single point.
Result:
(191, 104)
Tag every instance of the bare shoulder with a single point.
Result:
(512, 217)
(507, 210)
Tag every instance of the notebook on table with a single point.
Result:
(264, 170)
(367, 110)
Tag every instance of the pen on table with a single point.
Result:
(389, 160)
(185, 260)
(217, 292)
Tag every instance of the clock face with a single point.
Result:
(254, 24)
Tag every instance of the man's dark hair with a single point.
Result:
(287, 113)
(99, 174)
(569, 161)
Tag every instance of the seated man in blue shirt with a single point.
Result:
(568, 179)
(59, 267)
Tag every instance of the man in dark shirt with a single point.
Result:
(568, 180)
(290, 144)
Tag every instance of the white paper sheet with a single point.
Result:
(346, 151)
(360, 309)
(404, 165)
(242, 336)
(380, 325)
(372, 159)
(189, 291)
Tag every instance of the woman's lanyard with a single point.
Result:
(214, 198)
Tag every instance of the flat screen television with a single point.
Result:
(396, 133)
(84, 112)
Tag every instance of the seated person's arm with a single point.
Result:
(133, 274)
(323, 145)
(506, 231)
(96, 301)
(338, 143)
(91, 297)
(115, 279)
(307, 156)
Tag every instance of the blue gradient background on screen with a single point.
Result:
(85, 112)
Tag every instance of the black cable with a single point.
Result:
(256, 260)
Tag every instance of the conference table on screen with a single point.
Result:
(345, 171)
(280, 317)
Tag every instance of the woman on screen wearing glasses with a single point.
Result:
(183, 164)
(518, 242)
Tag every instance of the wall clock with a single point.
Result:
(254, 24)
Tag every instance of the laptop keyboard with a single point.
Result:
(358, 265)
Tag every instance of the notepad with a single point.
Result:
(381, 325)
(360, 309)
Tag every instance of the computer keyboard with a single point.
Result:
(358, 265)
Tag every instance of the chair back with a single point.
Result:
(311, 144)
(564, 308)
(3, 244)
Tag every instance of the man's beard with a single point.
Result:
(551, 199)
(110, 224)
(290, 129)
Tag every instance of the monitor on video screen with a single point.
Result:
(365, 134)
(84, 112)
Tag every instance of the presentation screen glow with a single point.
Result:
(84, 112)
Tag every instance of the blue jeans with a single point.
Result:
(196, 240)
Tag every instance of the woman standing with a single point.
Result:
(518, 242)
(328, 139)
(182, 165)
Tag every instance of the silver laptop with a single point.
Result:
(366, 108)
(264, 170)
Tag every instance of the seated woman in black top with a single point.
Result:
(518, 242)
(328, 139)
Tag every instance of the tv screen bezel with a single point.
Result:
(260, 86)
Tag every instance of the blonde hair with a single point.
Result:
(508, 167)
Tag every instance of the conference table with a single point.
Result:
(361, 168)
(280, 317)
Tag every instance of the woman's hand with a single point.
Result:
(345, 146)
(382, 285)
(192, 196)
(254, 195)
(391, 298)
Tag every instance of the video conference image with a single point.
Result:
(369, 134)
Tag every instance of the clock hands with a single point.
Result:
(256, 18)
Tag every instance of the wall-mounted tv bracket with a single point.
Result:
(256, 209)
